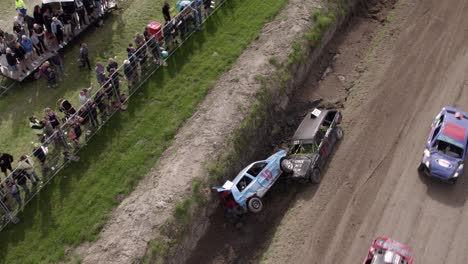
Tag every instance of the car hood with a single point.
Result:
(442, 165)
(302, 163)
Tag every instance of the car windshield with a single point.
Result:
(303, 148)
(448, 149)
(393, 247)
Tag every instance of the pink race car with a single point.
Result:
(387, 251)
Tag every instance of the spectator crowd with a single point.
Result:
(49, 27)
(63, 132)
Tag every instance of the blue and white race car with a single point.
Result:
(253, 182)
(445, 150)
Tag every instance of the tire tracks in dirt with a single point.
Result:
(417, 71)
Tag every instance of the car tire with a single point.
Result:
(255, 205)
(453, 181)
(315, 176)
(421, 167)
(286, 166)
(339, 132)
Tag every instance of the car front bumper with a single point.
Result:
(428, 172)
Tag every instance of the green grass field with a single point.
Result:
(74, 206)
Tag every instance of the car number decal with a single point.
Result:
(267, 174)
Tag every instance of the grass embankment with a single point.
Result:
(104, 42)
(74, 207)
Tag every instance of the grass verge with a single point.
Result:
(74, 207)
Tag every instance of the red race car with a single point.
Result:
(387, 251)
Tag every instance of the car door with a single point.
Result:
(331, 133)
(435, 129)
(323, 151)
(268, 176)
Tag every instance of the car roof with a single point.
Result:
(395, 246)
(453, 127)
(310, 125)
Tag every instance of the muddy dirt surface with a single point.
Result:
(137, 219)
(416, 64)
(391, 71)
(245, 239)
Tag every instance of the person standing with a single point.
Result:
(206, 8)
(111, 64)
(57, 61)
(100, 102)
(13, 190)
(37, 14)
(98, 7)
(84, 56)
(20, 55)
(20, 177)
(40, 49)
(20, 6)
(67, 26)
(166, 11)
(57, 30)
(85, 95)
(11, 60)
(27, 45)
(52, 118)
(100, 76)
(5, 163)
(197, 15)
(27, 165)
(40, 152)
(39, 30)
(129, 73)
(80, 10)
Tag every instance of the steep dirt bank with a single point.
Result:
(137, 220)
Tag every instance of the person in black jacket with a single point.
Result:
(165, 11)
(21, 178)
(5, 163)
(40, 152)
(12, 62)
(37, 14)
(20, 55)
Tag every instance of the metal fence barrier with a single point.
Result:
(61, 142)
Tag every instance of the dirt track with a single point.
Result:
(393, 79)
(372, 187)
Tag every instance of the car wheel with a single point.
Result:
(286, 166)
(421, 167)
(255, 205)
(315, 176)
(453, 181)
(339, 132)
